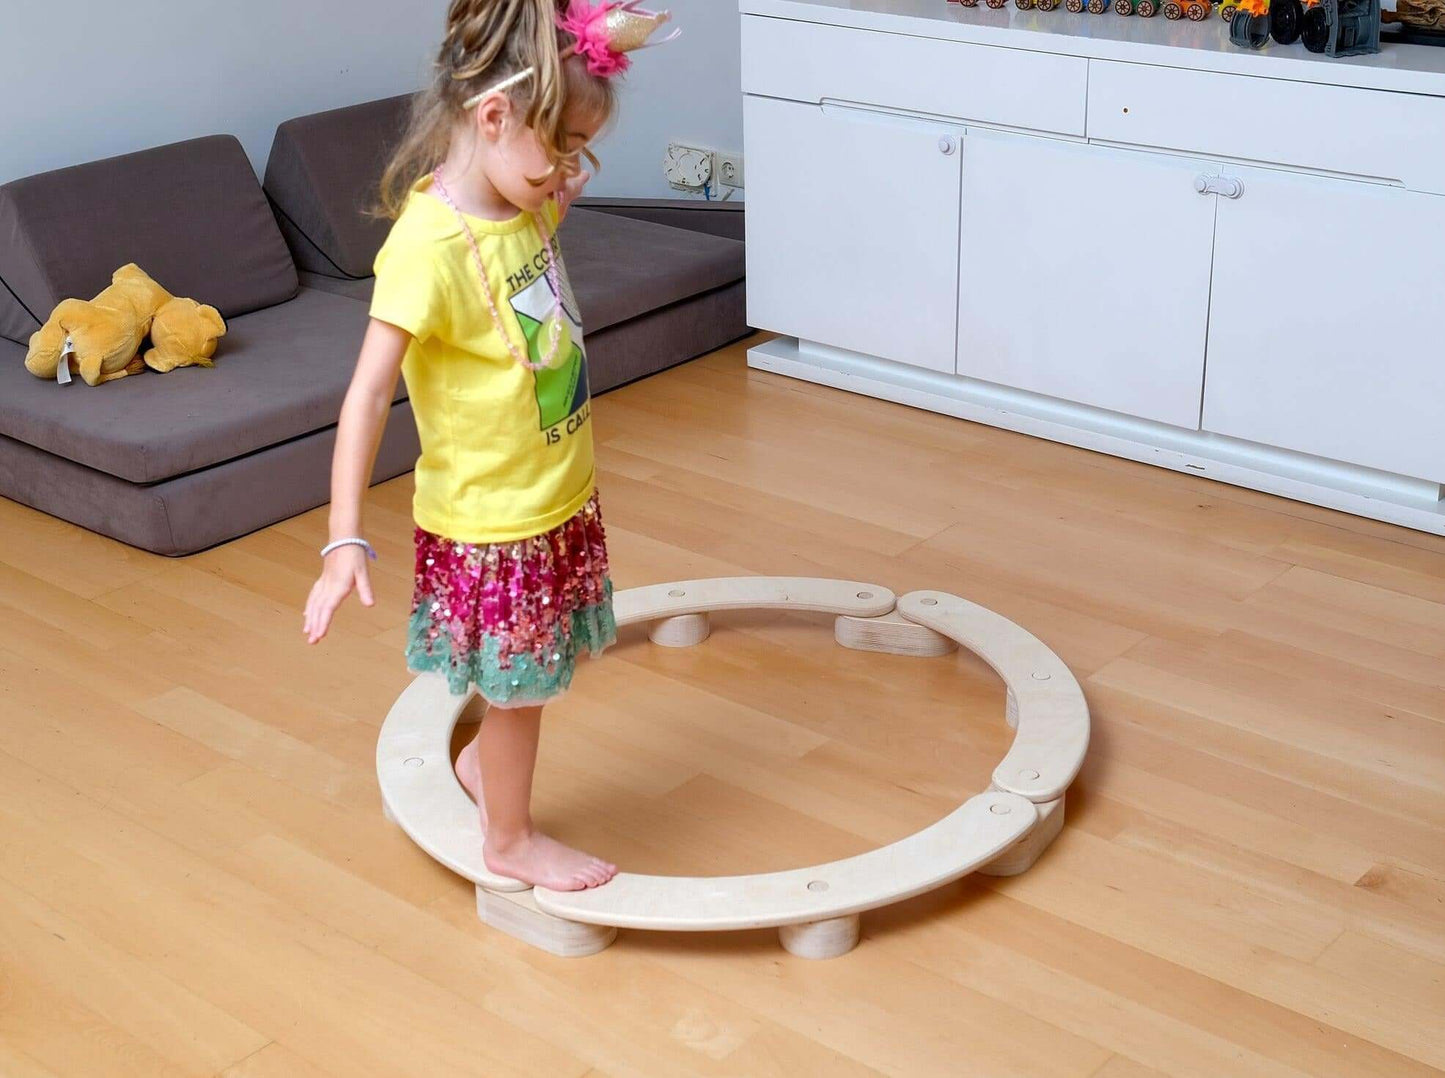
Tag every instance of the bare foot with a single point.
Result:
(469, 774)
(544, 862)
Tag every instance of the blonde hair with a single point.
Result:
(486, 41)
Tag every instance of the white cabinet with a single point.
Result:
(1327, 333)
(1052, 267)
(1085, 274)
(853, 227)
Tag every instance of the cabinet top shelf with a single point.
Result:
(1415, 69)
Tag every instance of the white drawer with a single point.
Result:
(1368, 133)
(811, 62)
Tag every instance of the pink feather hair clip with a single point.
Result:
(606, 32)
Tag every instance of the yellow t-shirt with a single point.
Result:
(506, 453)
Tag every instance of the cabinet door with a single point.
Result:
(853, 229)
(1328, 320)
(1085, 274)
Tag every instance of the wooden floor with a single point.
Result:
(195, 877)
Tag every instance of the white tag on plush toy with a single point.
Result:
(62, 371)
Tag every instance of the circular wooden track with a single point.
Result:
(1000, 831)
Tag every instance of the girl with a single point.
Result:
(473, 308)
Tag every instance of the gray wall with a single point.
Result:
(83, 79)
(147, 72)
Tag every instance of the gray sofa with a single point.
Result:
(179, 462)
(652, 293)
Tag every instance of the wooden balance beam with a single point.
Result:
(1001, 831)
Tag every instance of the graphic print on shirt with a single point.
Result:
(562, 390)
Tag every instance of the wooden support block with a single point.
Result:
(892, 634)
(683, 631)
(516, 914)
(1020, 857)
(821, 939)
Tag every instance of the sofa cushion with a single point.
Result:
(717, 218)
(191, 215)
(199, 509)
(621, 268)
(354, 288)
(280, 373)
(663, 338)
(323, 177)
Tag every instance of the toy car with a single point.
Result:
(1227, 9)
(1042, 5)
(1194, 10)
(1145, 9)
(1094, 7)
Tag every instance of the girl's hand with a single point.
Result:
(345, 568)
(572, 189)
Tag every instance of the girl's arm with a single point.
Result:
(358, 433)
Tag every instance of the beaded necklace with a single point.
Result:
(554, 328)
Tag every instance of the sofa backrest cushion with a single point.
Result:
(190, 214)
(323, 177)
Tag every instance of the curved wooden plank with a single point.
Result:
(970, 836)
(751, 593)
(420, 790)
(1053, 718)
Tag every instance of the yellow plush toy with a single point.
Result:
(184, 334)
(100, 340)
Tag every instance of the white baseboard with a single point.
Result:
(1395, 499)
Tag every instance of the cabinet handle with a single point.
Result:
(1228, 186)
(947, 144)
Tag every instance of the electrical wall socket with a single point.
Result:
(729, 169)
(688, 168)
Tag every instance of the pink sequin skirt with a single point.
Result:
(512, 618)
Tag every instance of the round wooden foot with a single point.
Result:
(516, 914)
(683, 631)
(821, 939)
